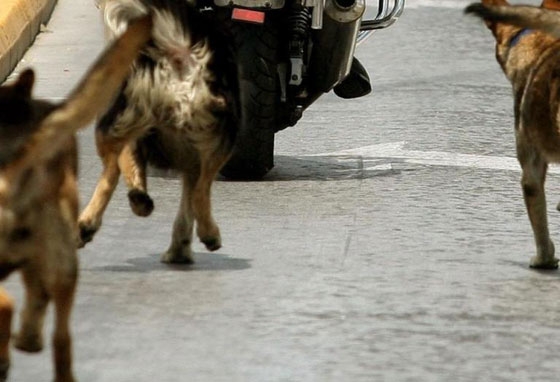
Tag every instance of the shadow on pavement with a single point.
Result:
(325, 168)
(525, 265)
(203, 262)
(329, 168)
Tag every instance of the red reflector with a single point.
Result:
(248, 15)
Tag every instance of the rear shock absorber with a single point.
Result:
(299, 22)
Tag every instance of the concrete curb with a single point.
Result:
(20, 21)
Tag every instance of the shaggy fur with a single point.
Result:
(177, 111)
(39, 198)
(530, 60)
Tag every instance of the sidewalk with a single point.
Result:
(20, 21)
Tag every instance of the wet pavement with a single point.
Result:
(389, 243)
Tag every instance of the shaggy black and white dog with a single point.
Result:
(177, 110)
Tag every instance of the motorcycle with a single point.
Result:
(289, 53)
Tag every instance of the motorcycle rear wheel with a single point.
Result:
(257, 61)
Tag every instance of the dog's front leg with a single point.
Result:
(63, 296)
(30, 336)
(180, 248)
(90, 219)
(6, 314)
(534, 169)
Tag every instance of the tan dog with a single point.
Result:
(39, 197)
(530, 60)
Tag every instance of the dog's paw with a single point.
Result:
(210, 236)
(540, 262)
(181, 255)
(87, 232)
(140, 202)
(212, 243)
(30, 343)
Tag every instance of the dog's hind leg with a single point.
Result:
(90, 219)
(133, 168)
(534, 169)
(207, 230)
(6, 314)
(180, 248)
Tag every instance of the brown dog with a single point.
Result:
(531, 61)
(39, 198)
(177, 111)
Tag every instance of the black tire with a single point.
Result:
(257, 60)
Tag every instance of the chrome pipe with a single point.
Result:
(383, 9)
(317, 14)
(384, 18)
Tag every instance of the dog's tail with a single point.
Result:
(171, 31)
(92, 96)
(546, 20)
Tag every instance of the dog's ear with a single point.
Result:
(551, 4)
(15, 114)
(24, 84)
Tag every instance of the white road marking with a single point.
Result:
(396, 150)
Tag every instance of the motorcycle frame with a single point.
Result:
(335, 30)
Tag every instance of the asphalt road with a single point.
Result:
(389, 243)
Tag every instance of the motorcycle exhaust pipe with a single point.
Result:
(334, 44)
